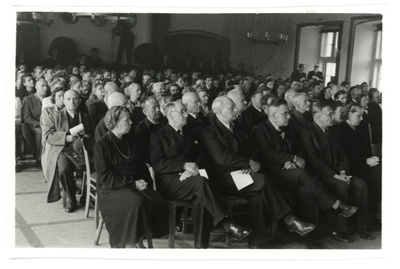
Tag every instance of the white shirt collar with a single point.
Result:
(259, 110)
(177, 130)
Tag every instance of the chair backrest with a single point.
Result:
(87, 161)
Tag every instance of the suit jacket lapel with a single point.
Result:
(230, 138)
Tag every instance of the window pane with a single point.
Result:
(326, 44)
(331, 69)
(378, 52)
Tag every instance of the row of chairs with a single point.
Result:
(89, 178)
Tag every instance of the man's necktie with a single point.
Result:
(180, 133)
(281, 133)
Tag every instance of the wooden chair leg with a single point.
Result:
(172, 224)
(98, 232)
(149, 242)
(185, 219)
(87, 196)
(96, 212)
(230, 216)
(64, 198)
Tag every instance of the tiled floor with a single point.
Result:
(42, 225)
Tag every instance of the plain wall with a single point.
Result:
(309, 47)
(362, 54)
(86, 36)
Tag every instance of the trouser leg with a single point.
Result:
(66, 175)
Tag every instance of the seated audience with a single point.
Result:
(375, 115)
(341, 96)
(196, 121)
(153, 121)
(229, 150)
(277, 148)
(328, 161)
(176, 160)
(131, 209)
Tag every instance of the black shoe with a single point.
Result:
(237, 233)
(346, 210)
(38, 165)
(300, 227)
(71, 206)
(340, 237)
(364, 234)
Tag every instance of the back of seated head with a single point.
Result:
(336, 104)
(329, 84)
(318, 106)
(315, 83)
(266, 99)
(345, 83)
(254, 93)
(116, 99)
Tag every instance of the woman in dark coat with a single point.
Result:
(130, 208)
(362, 163)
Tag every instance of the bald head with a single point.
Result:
(238, 98)
(109, 88)
(41, 87)
(289, 97)
(192, 102)
(72, 100)
(116, 99)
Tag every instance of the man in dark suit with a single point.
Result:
(275, 146)
(254, 111)
(31, 111)
(135, 109)
(196, 121)
(315, 74)
(299, 75)
(60, 141)
(176, 158)
(300, 116)
(154, 121)
(229, 151)
(329, 163)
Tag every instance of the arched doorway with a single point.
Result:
(205, 45)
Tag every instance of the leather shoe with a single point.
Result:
(341, 237)
(300, 227)
(70, 207)
(364, 234)
(346, 210)
(236, 233)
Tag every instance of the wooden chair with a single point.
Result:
(90, 178)
(173, 205)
